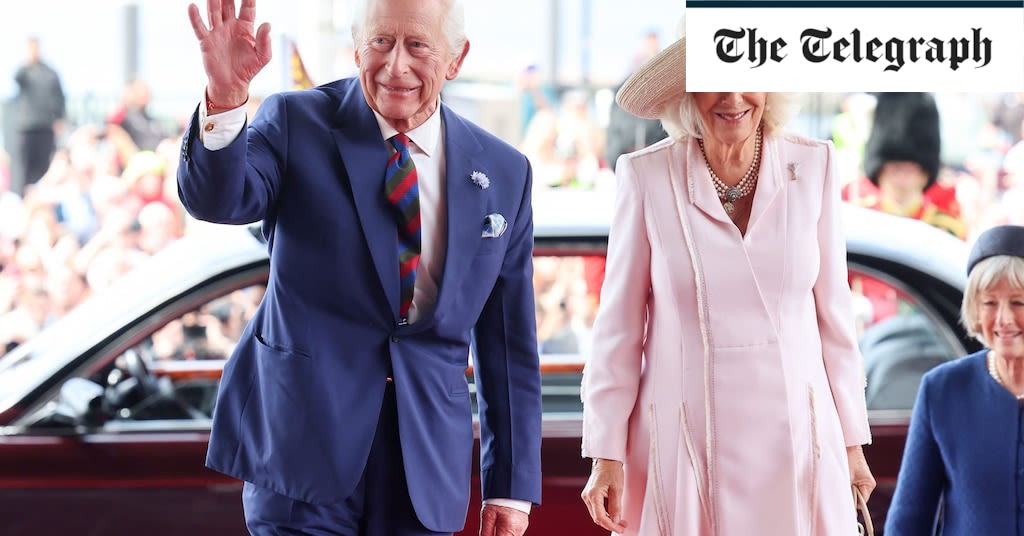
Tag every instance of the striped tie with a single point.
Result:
(403, 192)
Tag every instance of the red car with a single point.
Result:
(105, 416)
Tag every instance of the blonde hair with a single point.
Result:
(683, 119)
(985, 275)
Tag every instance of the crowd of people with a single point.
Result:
(103, 201)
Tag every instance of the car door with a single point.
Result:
(568, 271)
(119, 445)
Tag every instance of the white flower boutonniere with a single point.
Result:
(480, 179)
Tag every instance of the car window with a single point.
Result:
(567, 290)
(900, 336)
(210, 331)
(169, 374)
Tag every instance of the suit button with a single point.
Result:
(394, 338)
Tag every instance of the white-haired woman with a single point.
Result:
(725, 392)
(964, 450)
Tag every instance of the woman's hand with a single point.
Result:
(860, 474)
(603, 494)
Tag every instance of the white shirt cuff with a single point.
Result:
(522, 506)
(219, 131)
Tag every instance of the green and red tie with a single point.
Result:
(403, 192)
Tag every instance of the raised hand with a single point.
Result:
(232, 53)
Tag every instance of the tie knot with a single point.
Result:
(400, 142)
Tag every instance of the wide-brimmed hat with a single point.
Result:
(659, 81)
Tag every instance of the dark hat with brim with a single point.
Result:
(1000, 240)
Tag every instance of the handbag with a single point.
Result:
(861, 504)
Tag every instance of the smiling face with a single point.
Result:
(404, 59)
(730, 118)
(1001, 319)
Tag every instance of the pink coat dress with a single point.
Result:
(725, 371)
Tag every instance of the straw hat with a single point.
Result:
(657, 82)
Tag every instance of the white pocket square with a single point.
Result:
(494, 226)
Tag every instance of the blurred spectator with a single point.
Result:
(145, 177)
(1009, 198)
(158, 227)
(1009, 116)
(538, 145)
(577, 142)
(12, 215)
(850, 130)
(113, 250)
(902, 160)
(535, 95)
(168, 342)
(65, 289)
(5, 171)
(965, 128)
(26, 318)
(649, 46)
(1013, 163)
(566, 305)
(38, 113)
(627, 133)
(132, 116)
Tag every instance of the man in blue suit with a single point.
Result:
(345, 407)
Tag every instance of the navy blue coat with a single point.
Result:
(964, 453)
(300, 397)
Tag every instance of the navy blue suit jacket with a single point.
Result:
(964, 454)
(300, 397)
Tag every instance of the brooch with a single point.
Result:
(480, 179)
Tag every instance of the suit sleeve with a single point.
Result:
(844, 364)
(920, 483)
(611, 379)
(237, 184)
(508, 370)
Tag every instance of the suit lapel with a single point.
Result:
(701, 189)
(466, 202)
(769, 181)
(364, 156)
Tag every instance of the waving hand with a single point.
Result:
(232, 52)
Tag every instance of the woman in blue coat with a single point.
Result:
(964, 458)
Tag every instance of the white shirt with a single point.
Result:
(427, 150)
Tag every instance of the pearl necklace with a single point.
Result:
(729, 194)
(993, 370)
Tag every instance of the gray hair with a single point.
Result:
(454, 24)
(683, 119)
(985, 275)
